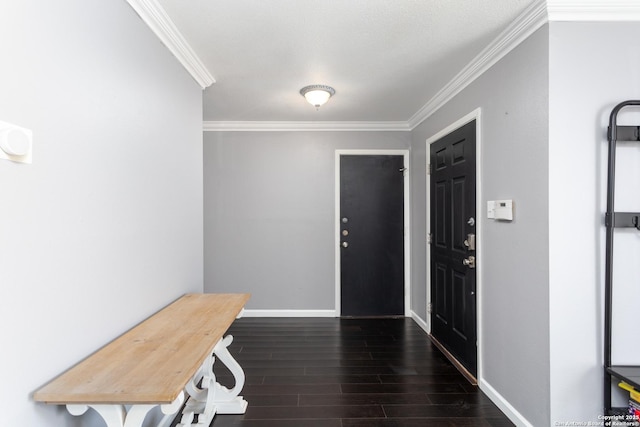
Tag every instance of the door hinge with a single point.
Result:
(430, 308)
(429, 169)
(429, 238)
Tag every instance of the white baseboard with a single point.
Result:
(420, 321)
(289, 313)
(516, 417)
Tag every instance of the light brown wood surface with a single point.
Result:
(152, 362)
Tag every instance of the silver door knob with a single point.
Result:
(470, 262)
(345, 244)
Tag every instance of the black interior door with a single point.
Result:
(453, 216)
(372, 235)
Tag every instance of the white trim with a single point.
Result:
(522, 27)
(477, 116)
(504, 405)
(407, 222)
(289, 313)
(474, 115)
(161, 24)
(534, 17)
(420, 321)
(594, 10)
(266, 126)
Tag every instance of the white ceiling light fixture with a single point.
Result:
(317, 95)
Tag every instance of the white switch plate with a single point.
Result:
(491, 209)
(16, 143)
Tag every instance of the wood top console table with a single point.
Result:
(167, 361)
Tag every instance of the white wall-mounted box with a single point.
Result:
(16, 143)
(500, 210)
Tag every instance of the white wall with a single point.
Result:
(593, 67)
(105, 227)
(513, 293)
(269, 213)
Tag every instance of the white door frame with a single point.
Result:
(407, 234)
(474, 115)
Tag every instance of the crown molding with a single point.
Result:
(269, 126)
(534, 17)
(594, 10)
(157, 19)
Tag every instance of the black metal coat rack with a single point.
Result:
(628, 374)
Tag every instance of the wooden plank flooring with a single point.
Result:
(325, 372)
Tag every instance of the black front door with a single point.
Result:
(453, 217)
(372, 235)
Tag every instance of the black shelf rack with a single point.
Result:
(613, 220)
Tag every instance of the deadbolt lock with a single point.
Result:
(470, 242)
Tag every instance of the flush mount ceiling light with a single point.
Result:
(317, 95)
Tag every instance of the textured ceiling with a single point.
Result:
(386, 59)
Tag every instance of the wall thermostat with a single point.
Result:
(500, 210)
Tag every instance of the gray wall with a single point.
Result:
(105, 227)
(514, 258)
(269, 213)
(594, 66)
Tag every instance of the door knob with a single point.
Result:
(345, 244)
(470, 262)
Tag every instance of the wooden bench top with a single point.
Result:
(153, 362)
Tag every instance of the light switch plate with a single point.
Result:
(491, 209)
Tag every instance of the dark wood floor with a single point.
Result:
(325, 372)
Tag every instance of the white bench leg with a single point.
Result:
(200, 401)
(113, 415)
(229, 401)
(117, 415)
(207, 397)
